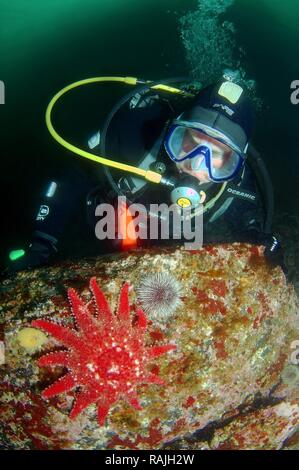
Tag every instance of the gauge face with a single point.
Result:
(183, 202)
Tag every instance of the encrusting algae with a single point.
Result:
(233, 328)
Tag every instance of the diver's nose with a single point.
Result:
(196, 162)
(217, 162)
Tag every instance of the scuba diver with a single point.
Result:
(186, 147)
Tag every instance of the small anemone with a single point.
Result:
(31, 339)
(159, 295)
(290, 375)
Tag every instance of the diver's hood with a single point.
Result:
(225, 109)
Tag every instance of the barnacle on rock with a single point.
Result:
(290, 375)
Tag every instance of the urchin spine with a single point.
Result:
(159, 295)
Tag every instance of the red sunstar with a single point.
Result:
(106, 355)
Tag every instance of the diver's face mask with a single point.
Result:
(203, 152)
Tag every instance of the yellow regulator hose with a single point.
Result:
(147, 174)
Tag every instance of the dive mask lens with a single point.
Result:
(225, 167)
(181, 142)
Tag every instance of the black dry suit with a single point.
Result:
(241, 209)
(133, 133)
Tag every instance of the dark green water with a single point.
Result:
(46, 45)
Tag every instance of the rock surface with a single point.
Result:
(231, 383)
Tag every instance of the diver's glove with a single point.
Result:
(38, 253)
(274, 252)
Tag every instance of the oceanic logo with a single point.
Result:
(245, 195)
(159, 222)
(295, 94)
(2, 92)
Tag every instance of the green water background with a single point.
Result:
(46, 45)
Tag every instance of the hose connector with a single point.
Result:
(153, 177)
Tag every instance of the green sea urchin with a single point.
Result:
(159, 295)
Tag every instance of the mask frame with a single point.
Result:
(211, 133)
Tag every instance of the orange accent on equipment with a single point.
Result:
(125, 218)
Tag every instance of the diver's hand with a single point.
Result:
(274, 253)
(37, 254)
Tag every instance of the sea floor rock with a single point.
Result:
(231, 382)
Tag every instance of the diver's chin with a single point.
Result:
(201, 176)
(203, 179)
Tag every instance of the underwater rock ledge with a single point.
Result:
(229, 384)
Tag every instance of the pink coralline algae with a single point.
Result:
(106, 356)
